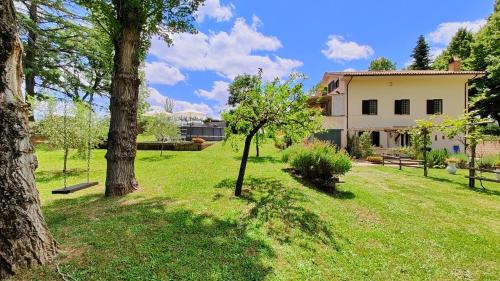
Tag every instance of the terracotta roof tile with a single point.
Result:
(404, 72)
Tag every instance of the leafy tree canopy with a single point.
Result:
(460, 46)
(382, 64)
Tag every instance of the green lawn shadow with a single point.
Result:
(477, 189)
(55, 175)
(260, 159)
(148, 240)
(155, 158)
(280, 210)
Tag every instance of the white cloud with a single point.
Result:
(349, 70)
(219, 92)
(157, 100)
(226, 53)
(445, 31)
(434, 52)
(340, 50)
(214, 9)
(161, 73)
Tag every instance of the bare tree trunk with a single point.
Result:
(120, 175)
(244, 160)
(257, 152)
(25, 240)
(472, 164)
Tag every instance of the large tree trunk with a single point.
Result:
(31, 55)
(120, 175)
(25, 240)
(257, 152)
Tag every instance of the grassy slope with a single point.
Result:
(184, 223)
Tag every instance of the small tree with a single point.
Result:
(421, 139)
(420, 55)
(277, 104)
(168, 106)
(365, 144)
(164, 128)
(382, 64)
(72, 130)
(469, 127)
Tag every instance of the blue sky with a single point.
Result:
(281, 36)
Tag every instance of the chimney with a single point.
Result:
(454, 64)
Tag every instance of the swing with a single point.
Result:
(73, 188)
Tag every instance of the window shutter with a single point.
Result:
(375, 105)
(430, 106)
(366, 107)
(397, 107)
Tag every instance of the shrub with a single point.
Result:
(437, 158)
(365, 144)
(198, 140)
(405, 152)
(290, 152)
(460, 159)
(353, 146)
(489, 162)
(319, 160)
(374, 159)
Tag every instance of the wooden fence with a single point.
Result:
(401, 161)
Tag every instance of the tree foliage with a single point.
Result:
(276, 104)
(459, 46)
(382, 64)
(420, 55)
(485, 55)
(65, 51)
(73, 133)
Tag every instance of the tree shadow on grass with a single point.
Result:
(260, 159)
(145, 239)
(281, 212)
(329, 190)
(155, 158)
(477, 189)
(54, 175)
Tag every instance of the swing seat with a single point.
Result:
(74, 188)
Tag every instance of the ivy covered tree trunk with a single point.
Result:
(25, 240)
(120, 175)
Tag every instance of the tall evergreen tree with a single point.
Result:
(420, 55)
(460, 46)
(25, 240)
(131, 24)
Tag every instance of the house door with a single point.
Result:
(375, 138)
(332, 135)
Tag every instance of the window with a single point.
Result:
(402, 107)
(435, 106)
(333, 85)
(369, 107)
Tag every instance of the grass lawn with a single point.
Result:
(185, 223)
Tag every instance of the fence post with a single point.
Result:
(399, 162)
(383, 159)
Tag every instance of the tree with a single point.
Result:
(421, 139)
(460, 46)
(485, 56)
(420, 55)
(71, 130)
(241, 85)
(276, 104)
(467, 126)
(65, 51)
(131, 24)
(25, 240)
(164, 128)
(168, 106)
(382, 64)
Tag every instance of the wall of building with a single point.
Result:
(418, 89)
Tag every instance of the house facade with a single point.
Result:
(385, 103)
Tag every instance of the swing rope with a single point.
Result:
(65, 142)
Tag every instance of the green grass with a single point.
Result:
(185, 223)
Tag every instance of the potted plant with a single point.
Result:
(452, 165)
